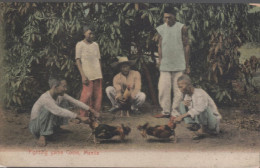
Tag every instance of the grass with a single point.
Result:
(248, 50)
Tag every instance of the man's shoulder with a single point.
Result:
(95, 43)
(79, 43)
(117, 75)
(160, 27)
(200, 92)
(135, 72)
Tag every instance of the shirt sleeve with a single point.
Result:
(78, 50)
(199, 105)
(76, 102)
(160, 30)
(137, 85)
(52, 107)
(117, 86)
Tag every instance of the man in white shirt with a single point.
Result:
(201, 108)
(47, 111)
(173, 50)
(89, 66)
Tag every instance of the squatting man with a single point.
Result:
(197, 108)
(49, 110)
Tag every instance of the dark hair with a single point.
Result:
(87, 27)
(55, 80)
(184, 78)
(170, 10)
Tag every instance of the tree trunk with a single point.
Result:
(150, 85)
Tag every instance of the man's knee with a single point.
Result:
(109, 89)
(141, 97)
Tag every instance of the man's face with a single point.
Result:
(125, 68)
(169, 19)
(89, 36)
(62, 88)
(184, 88)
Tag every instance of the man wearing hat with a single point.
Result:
(88, 63)
(173, 52)
(126, 79)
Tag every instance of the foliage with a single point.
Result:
(41, 39)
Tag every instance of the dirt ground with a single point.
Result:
(240, 131)
(14, 133)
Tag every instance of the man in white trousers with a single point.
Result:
(173, 52)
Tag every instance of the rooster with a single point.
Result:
(158, 131)
(104, 131)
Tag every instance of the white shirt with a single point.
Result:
(89, 55)
(200, 101)
(47, 102)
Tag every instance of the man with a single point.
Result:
(126, 79)
(201, 109)
(47, 112)
(89, 66)
(173, 50)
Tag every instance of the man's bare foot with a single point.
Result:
(42, 141)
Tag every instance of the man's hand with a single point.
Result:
(187, 71)
(186, 102)
(122, 100)
(82, 119)
(158, 64)
(178, 119)
(96, 114)
(85, 80)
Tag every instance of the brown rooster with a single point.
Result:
(159, 131)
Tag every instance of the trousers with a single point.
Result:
(135, 104)
(167, 85)
(91, 95)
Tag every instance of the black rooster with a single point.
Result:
(159, 131)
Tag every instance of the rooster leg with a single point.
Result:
(90, 136)
(175, 139)
(96, 141)
(121, 115)
(127, 113)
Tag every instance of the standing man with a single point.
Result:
(88, 63)
(173, 52)
(126, 79)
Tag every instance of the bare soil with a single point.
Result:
(14, 133)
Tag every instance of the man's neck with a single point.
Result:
(191, 91)
(53, 94)
(171, 25)
(88, 42)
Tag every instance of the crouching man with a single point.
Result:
(198, 109)
(48, 111)
(126, 87)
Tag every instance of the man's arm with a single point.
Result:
(80, 104)
(160, 50)
(199, 106)
(186, 45)
(83, 77)
(137, 85)
(79, 64)
(117, 87)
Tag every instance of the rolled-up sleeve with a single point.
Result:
(200, 104)
(160, 29)
(117, 86)
(56, 110)
(76, 102)
(78, 51)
